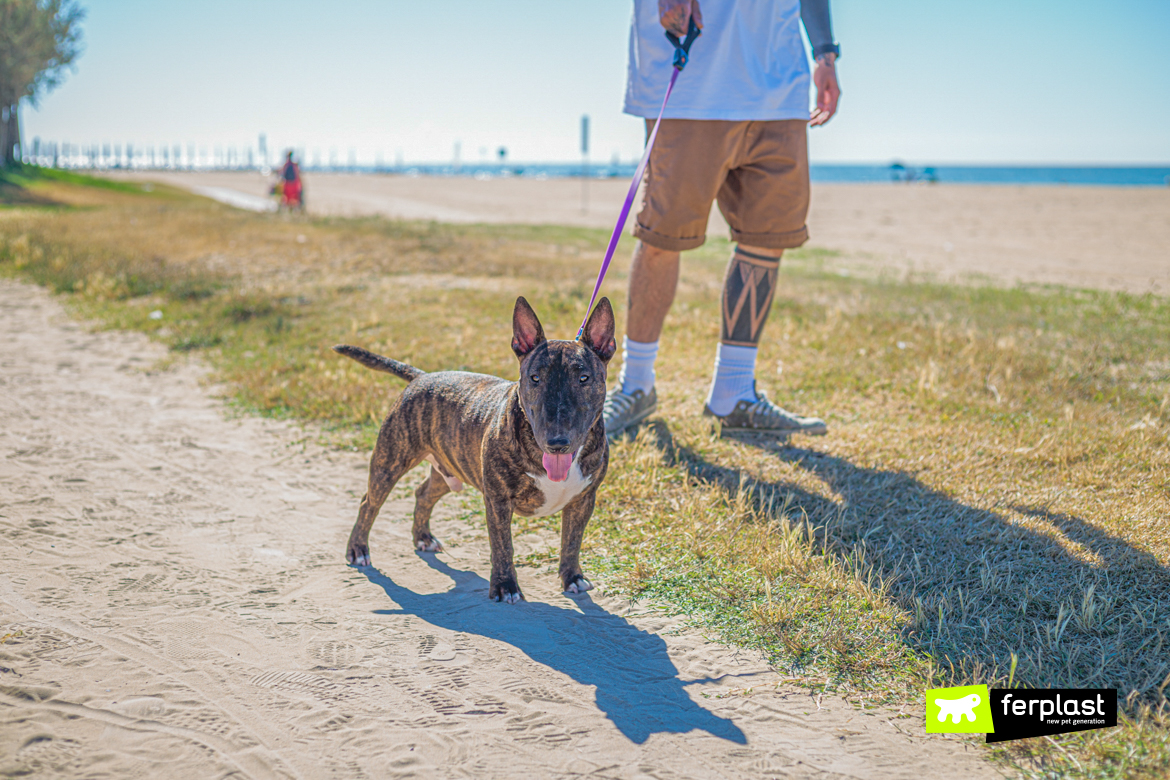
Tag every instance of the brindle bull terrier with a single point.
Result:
(533, 447)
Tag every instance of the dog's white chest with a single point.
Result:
(557, 494)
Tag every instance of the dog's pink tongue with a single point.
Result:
(557, 466)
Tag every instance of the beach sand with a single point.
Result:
(174, 602)
(1112, 238)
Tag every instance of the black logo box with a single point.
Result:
(1036, 712)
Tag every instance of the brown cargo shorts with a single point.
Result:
(758, 171)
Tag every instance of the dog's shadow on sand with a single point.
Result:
(638, 686)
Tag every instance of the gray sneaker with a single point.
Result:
(767, 419)
(623, 410)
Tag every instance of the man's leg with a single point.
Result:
(748, 288)
(653, 281)
(765, 200)
(687, 168)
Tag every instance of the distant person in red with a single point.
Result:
(290, 178)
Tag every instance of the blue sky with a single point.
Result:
(924, 81)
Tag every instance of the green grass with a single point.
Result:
(992, 504)
(26, 176)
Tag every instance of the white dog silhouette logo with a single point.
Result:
(958, 708)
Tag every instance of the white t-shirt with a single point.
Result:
(749, 63)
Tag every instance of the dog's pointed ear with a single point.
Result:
(598, 333)
(527, 334)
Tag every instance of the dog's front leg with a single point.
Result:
(503, 583)
(574, 517)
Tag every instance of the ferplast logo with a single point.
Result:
(1038, 712)
(962, 710)
(1019, 713)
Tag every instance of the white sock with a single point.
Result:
(637, 365)
(735, 378)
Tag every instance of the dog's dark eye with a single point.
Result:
(584, 378)
(535, 379)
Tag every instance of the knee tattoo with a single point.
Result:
(747, 297)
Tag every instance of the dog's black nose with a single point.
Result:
(558, 444)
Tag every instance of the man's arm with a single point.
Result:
(815, 15)
(819, 26)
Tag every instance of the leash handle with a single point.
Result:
(617, 229)
(682, 49)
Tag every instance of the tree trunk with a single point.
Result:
(3, 136)
(12, 135)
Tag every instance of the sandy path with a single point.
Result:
(1112, 238)
(173, 589)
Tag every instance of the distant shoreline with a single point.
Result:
(894, 172)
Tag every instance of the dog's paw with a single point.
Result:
(357, 555)
(508, 592)
(578, 584)
(428, 544)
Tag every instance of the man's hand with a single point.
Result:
(828, 91)
(675, 15)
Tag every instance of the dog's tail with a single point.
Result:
(380, 363)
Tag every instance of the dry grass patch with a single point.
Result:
(991, 504)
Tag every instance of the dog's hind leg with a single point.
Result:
(425, 498)
(385, 471)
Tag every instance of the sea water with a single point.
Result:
(1111, 176)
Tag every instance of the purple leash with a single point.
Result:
(681, 52)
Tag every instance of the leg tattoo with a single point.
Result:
(747, 297)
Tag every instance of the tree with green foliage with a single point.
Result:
(39, 40)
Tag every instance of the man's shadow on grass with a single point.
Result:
(638, 687)
(1002, 588)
